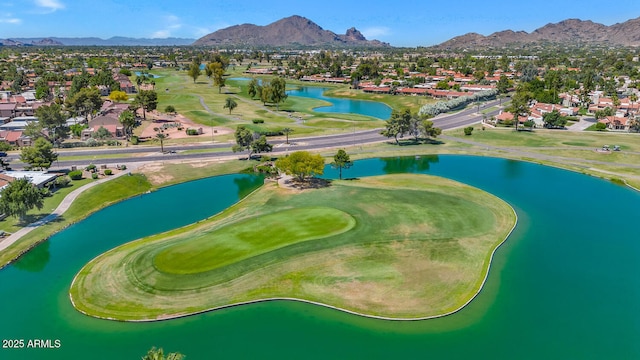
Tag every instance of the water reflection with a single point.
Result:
(404, 164)
(35, 260)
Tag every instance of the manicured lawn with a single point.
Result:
(400, 246)
(87, 203)
(11, 224)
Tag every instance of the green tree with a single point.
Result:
(503, 84)
(84, 102)
(301, 165)
(230, 104)
(102, 133)
(398, 124)
(194, 71)
(253, 88)
(520, 105)
(260, 145)
(244, 137)
(128, 120)
(40, 156)
(158, 354)
(554, 119)
(428, 130)
(217, 69)
(341, 160)
(52, 118)
(147, 100)
(20, 196)
(278, 91)
(468, 130)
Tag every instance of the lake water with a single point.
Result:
(138, 73)
(564, 286)
(338, 105)
(344, 106)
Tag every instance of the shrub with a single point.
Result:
(108, 172)
(91, 167)
(258, 121)
(134, 140)
(192, 132)
(123, 167)
(94, 176)
(63, 181)
(468, 130)
(170, 109)
(75, 175)
(601, 126)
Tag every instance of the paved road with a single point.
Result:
(152, 153)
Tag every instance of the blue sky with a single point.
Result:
(400, 23)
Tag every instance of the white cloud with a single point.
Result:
(202, 31)
(50, 5)
(172, 22)
(376, 31)
(8, 18)
(10, 21)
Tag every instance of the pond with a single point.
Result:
(344, 106)
(153, 76)
(338, 105)
(564, 285)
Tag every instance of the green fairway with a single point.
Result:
(399, 246)
(251, 237)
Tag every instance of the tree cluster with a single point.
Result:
(301, 165)
(250, 141)
(412, 124)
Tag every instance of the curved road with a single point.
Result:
(446, 121)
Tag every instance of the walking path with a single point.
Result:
(64, 206)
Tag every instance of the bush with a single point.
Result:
(134, 140)
(192, 132)
(91, 167)
(258, 121)
(94, 176)
(170, 109)
(63, 181)
(123, 167)
(108, 172)
(468, 130)
(600, 126)
(75, 175)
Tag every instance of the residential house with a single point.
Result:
(616, 123)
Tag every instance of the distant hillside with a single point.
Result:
(294, 30)
(571, 31)
(94, 41)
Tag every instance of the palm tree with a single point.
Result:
(230, 104)
(287, 131)
(633, 98)
(160, 135)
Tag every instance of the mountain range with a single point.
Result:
(570, 31)
(290, 31)
(94, 41)
(300, 31)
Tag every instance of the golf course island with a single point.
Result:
(393, 246)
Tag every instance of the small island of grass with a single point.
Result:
(394, 246)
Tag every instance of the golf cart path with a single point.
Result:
(64, 206)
